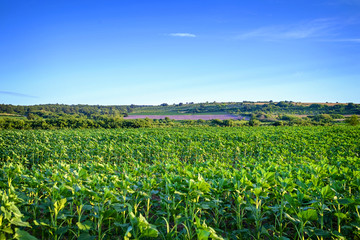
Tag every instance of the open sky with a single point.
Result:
(115, 52)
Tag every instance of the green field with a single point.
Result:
(181, 183)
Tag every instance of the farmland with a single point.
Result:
(181, 183)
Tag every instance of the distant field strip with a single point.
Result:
(188, 117)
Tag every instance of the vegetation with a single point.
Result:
(353, 120)
(239, 108)
(181, 183)
(248, 108)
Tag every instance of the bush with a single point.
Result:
(353, 120)
(254, 122)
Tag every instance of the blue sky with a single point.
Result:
(151, 52)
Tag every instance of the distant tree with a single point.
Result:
(229, 123)
(353, 120)
(164, 104)
(30, 116)
(254, 122)
(323, 118)
(217, 122)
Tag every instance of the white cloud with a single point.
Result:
(182, 35)
(310, 29)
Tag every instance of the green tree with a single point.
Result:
(353, 120)
(254, 122)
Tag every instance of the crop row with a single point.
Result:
(200, 183)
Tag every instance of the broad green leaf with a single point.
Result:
(143, 223)
(23, 235)
(86, 236)
(150, 232)
(7, 230)
(14, 210)
(202, 234)
(327, 192)
(257, 191)
(308, 215)
(83, 227)
(62, 230)
(19, 222)
(323, 233)
(87, 207)
(345, 201)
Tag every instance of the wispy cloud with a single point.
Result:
(310, 29)
(355, 40)
(182, 35)
(16, 94)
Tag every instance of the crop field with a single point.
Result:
(181, 183)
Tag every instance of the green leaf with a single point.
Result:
(322, 233)
(87, 207)
(23, 235)
(258, 191)
(284, 238)
(327, 192)
(83, 227)
(60, 204)
(86, 236)
(146, 229)
(62, 230)
(150, 232)
(294, 219)
(41, 223)
(345, 201)
(338, 235)
(340, 215)
(19, 222)
(128, 233)
(202, 234)
(7, 230)
(83, 173)
(308, 215)
(119, 208)
(15, 211)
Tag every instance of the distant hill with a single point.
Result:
(248, 108)
(235, 108)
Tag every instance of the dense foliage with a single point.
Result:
(94, 111)
(283, 107)
(181, 183)
(58, 110)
